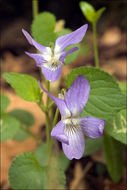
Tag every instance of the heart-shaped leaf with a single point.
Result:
(9, 127)
(26, 173)
(105, 99)
(25, 86)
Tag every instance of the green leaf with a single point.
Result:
(43, 28)
(4, 102)
(105, 98)
(26, 173)
(44, 22)
(48, 37)
(64, 32)
(9, 127)
(114, 157)
(123, 86)
(88, 11)
(25, 86)
(117, 126)
(25, 117)
(92, 145)
(73, 56)
(21, 135)
(42, 154)
(99, 13)
(26, 120)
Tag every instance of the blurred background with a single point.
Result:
(111, 29)
(17, 14)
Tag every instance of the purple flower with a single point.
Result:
(51, 61)
(70, 129)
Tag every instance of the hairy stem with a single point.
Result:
(96, 56)
(47, 117)
(50, 105)
(48, 89)
(55, 117)
(46, 108)
(51, 140)
(47, 127)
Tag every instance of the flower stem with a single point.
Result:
(55, 117)
(48, 89)
(96, 56)
(47, 116)
(50, 105)
(35, 7)
(51, 140)
(47, 128)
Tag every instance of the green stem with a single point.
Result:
(96, 56)
(43, 108)
(51, 140)
(47, 128)
(55, 117)
(35, 7)
(40, 103)
(46, 108)
(48, 89)
(50, 105)
(47, 116)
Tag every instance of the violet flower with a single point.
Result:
(51, 61)
(70, 129)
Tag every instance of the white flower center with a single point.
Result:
(72, 126)
(52, 59)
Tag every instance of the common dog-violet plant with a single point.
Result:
(92, 111)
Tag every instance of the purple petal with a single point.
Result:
(37, 57)
(59, 102)
(77, 96)
(58, 132)
(92, 127)
(65, 53)
(73, 38)
(33, 42)
(51, 75)
(76, 146)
